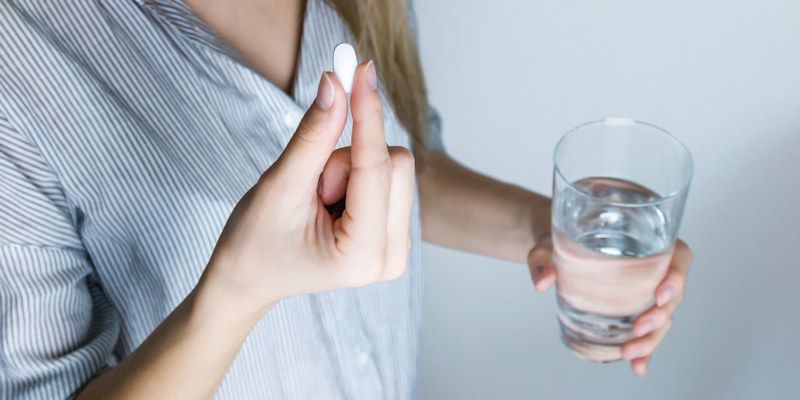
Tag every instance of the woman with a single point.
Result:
(170, 220)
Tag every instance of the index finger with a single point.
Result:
(675, 280)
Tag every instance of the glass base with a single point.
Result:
(594, 337)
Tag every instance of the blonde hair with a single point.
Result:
(383, 33)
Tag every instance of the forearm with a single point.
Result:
(468, 211)
(186, 357)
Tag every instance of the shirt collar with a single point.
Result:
(323, 29)
(180, 16)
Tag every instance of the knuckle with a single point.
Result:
(663, 313)
(377, 108)
(271, 188)
(396, 273)
(679, 280)
(379, 166)
(371, 276)
(661, 318)
(655, 314)
(341, 152)
(538, 253)
(402, 158)
(376, 272)
(684, 248)
(397, 270)
(307, 131)
(356, 276)
(383, 168)
(368, 268)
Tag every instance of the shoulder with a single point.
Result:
(37, 34)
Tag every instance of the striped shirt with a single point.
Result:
(128, 132)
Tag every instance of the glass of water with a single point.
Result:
(619, 189)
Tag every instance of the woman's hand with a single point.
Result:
(651, 326)
(281, 241)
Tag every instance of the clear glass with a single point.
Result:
(619, 189)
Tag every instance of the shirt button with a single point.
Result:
(292, 119)
(362, 357)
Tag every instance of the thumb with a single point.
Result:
(304, 157)
(540, 263)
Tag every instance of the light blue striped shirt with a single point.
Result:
(128, 132)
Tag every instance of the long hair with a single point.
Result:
(383, 33)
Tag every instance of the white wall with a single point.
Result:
(724, 76)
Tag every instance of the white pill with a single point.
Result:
(344, 65)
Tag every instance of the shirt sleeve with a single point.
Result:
(434, 134)
(57, 328)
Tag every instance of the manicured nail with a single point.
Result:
(633, 352)
(665, 296)
(372, 76)
(645, 327)
(325, 93)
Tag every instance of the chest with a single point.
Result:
(155, 133)
(265, 33)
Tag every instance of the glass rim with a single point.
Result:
(621, 121)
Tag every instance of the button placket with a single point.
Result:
(354, 348)
(362, 357)
(291, 118)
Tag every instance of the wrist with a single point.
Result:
(528, 221)
(540, 219)
(536, 219)
(222, 298)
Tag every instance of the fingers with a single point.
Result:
(643, 346)
(377, 183)
(401, 196)
(656, 317)
(333, 186)
(333, 182)
(675, 280)
(650, 327)
(312, 143)
(639, 365)
(369, 142)
(652, 319)
(371, 168)
(540, 264)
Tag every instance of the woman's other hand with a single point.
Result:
(651, 326)
(280, 239)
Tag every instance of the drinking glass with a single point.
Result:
(619, 190)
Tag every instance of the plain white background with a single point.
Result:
(509, 76)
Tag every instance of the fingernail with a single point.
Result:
(646, 327)
(665, 296)
(325, 93)
(641, 370)
(634, 352)
(537, 275)
(372, 76)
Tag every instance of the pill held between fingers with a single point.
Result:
(344, 65)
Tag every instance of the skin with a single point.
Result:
(188, 354)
